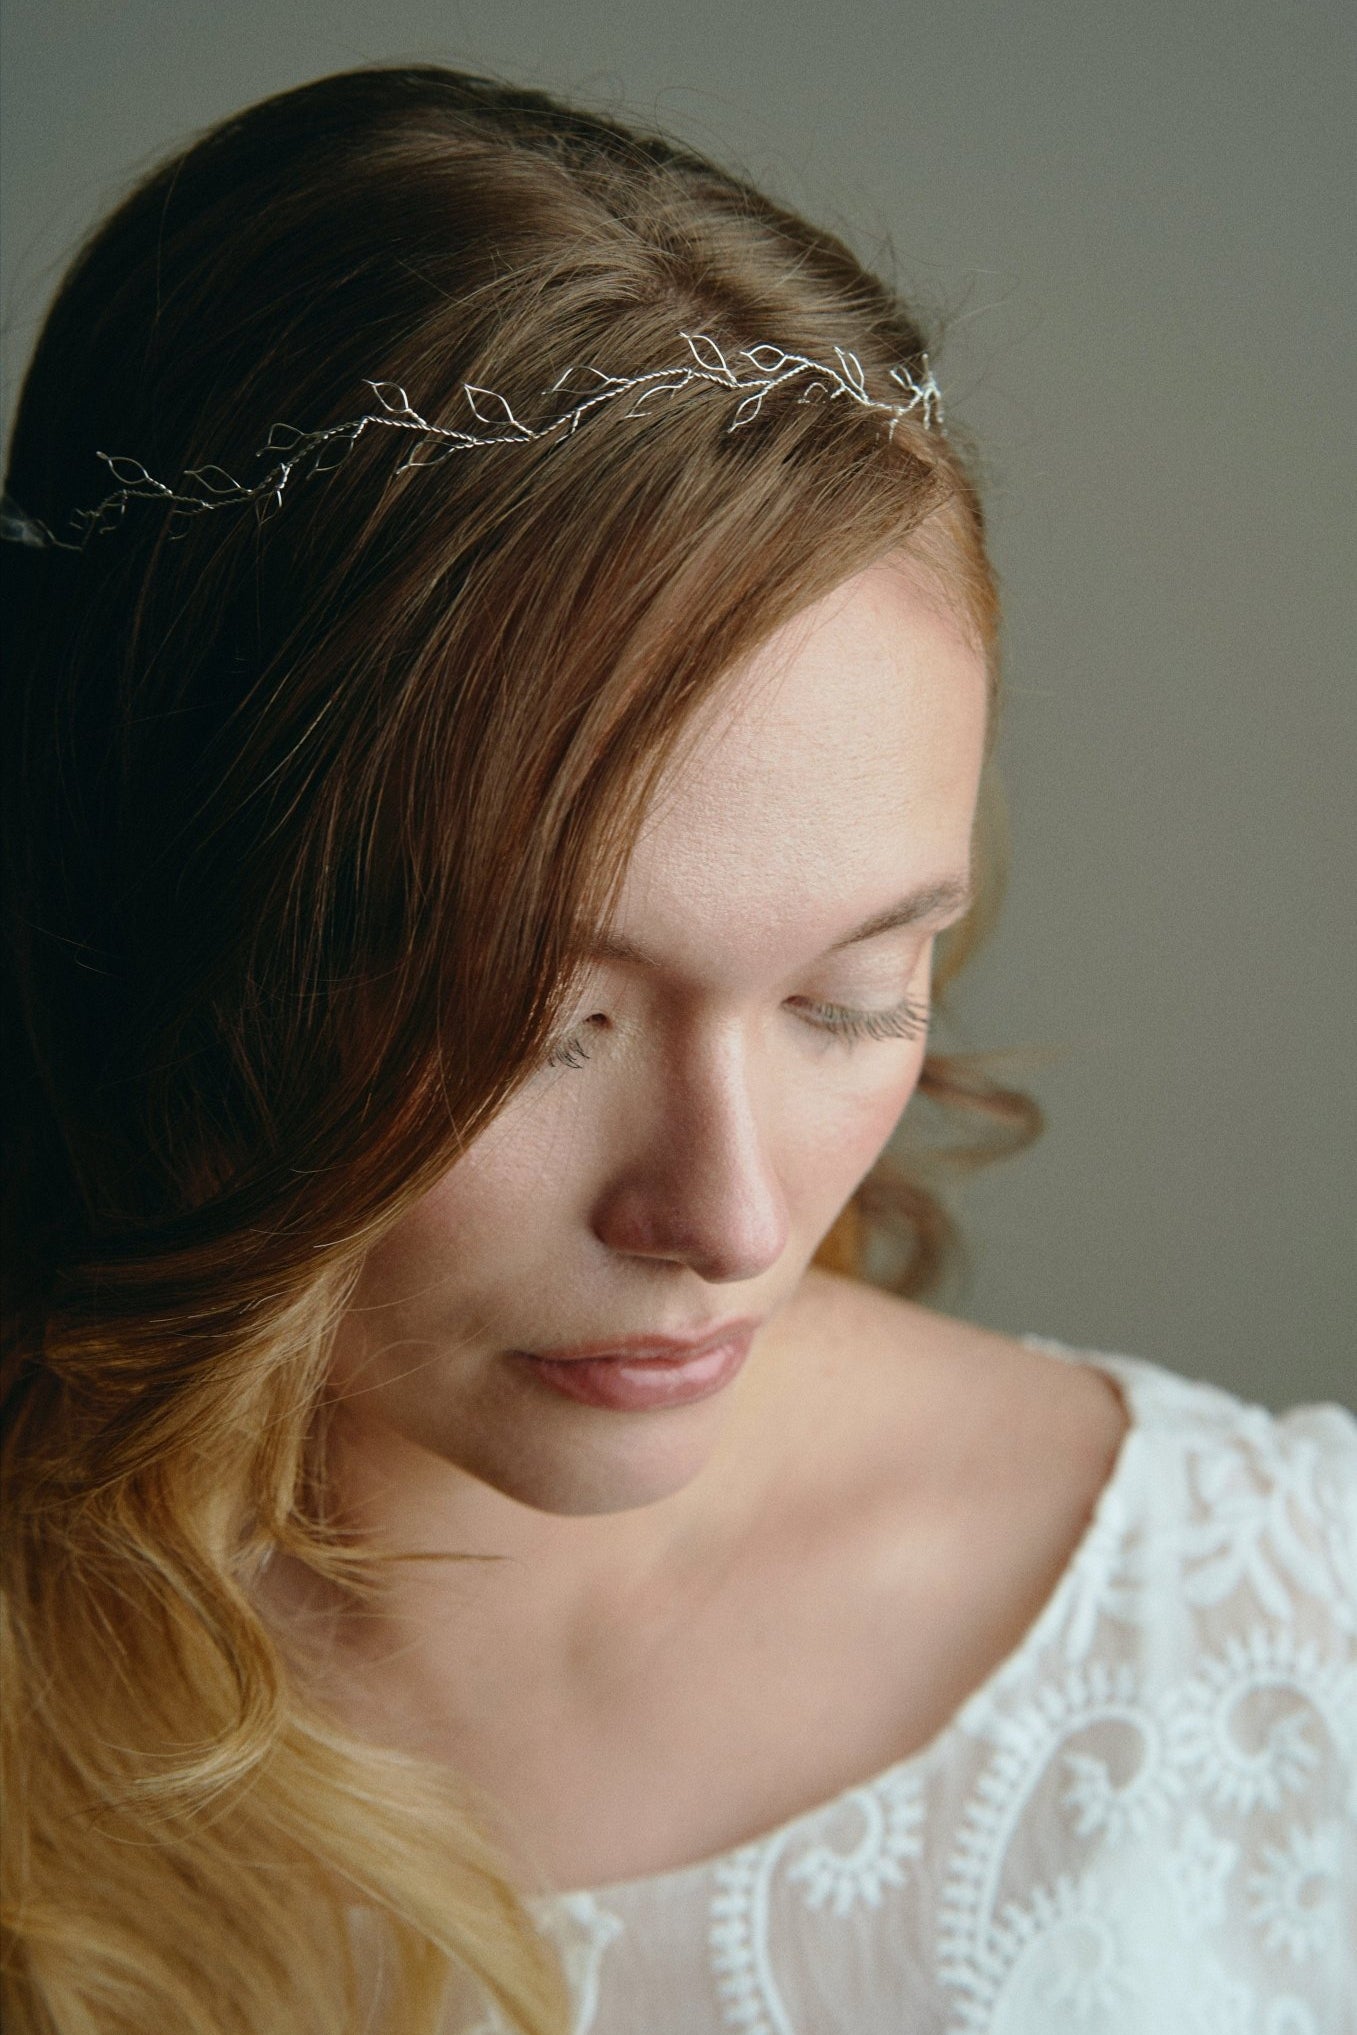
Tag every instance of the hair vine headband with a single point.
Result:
(321, 451)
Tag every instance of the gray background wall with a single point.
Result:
(1132, 216)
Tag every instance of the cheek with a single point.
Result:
(849, 1135)
(478, 1228)
(887, 1099)
(417, 1285)
(420, 1264)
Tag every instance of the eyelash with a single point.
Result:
(908, 1020)
(570, 1053)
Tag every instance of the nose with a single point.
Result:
(698, 1187)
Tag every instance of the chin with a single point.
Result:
(614, 1474)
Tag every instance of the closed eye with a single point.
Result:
(907, 1020)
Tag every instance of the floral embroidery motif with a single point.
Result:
(1244, 1726)
(1250, 1498)
(1057, 1964)
(1099, 1806)
(891, 1813)
(1293, 1898)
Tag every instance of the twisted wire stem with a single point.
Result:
(769, 369)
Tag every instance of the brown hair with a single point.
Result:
(304, 816)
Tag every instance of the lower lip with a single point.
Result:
(638, 1384)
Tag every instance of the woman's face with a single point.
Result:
(677, 1165)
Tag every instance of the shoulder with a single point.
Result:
(993, 1412)
(1204, 1499)
(970, 1462)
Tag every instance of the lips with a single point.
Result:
(653, 1379)
(636, 1348)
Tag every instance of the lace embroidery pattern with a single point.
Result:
(1245, 1762)
(1247, 1731)
(1156, 1878)
(831, 1878)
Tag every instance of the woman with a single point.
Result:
(478, 1555)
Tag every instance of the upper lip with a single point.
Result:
(651, 1345)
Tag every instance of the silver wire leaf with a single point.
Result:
(393, 398)
(852, 368)
(208, 476)
(496, 410)
(427, 455)
(654, 389)
(768, 359)
(131, 472)
(708, 354)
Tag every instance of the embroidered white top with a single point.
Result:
(1144, 1820)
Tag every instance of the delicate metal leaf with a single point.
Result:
(131, 472)
(768, 359)
(708, 354)
(488, 407)
(852, 369)
(654, 389)
(392, 397)
(422, 453)
(216, 478)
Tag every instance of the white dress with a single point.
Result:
(1144, 1822)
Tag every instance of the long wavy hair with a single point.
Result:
(304, 814)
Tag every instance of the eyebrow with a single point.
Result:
(950, 893)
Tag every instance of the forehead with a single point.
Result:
(836, 766)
